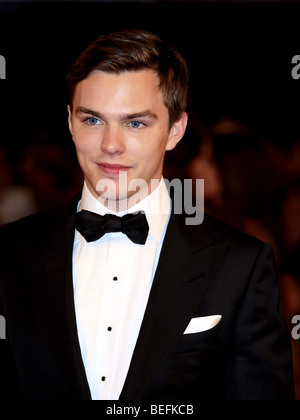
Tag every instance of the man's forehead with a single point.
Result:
(148, 80)
(134, 91)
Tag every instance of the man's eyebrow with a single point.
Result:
(143, 114)
(82, 110)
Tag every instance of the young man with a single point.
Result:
(142, 306)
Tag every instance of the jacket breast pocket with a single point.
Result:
(195, 369)
(202, 341)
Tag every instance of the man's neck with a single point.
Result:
(121, 205)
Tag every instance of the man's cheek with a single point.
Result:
(84, 145)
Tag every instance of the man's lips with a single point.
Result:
(112, 169)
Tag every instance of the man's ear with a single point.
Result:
(70, 120)
(177, 131)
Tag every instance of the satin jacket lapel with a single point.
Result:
(187, 264)
(55, 303)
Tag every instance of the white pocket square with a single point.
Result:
(202, 324)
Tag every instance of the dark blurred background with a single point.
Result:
(243, 136)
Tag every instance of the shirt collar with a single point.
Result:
(157, 207)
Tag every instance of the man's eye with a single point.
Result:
(92, 121)
(136, 124)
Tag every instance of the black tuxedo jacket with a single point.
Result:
(204, 270)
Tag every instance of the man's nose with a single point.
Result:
(113, 141)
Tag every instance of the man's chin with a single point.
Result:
(116, 203)
(122, 200)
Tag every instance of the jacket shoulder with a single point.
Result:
(222, 232)
(39, 224)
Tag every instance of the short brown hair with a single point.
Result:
(135, 50)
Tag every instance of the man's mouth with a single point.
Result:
(113, 169)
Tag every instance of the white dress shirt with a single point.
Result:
(112, 282)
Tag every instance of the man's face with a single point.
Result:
(120, 126)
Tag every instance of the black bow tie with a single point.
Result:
(92, 226)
